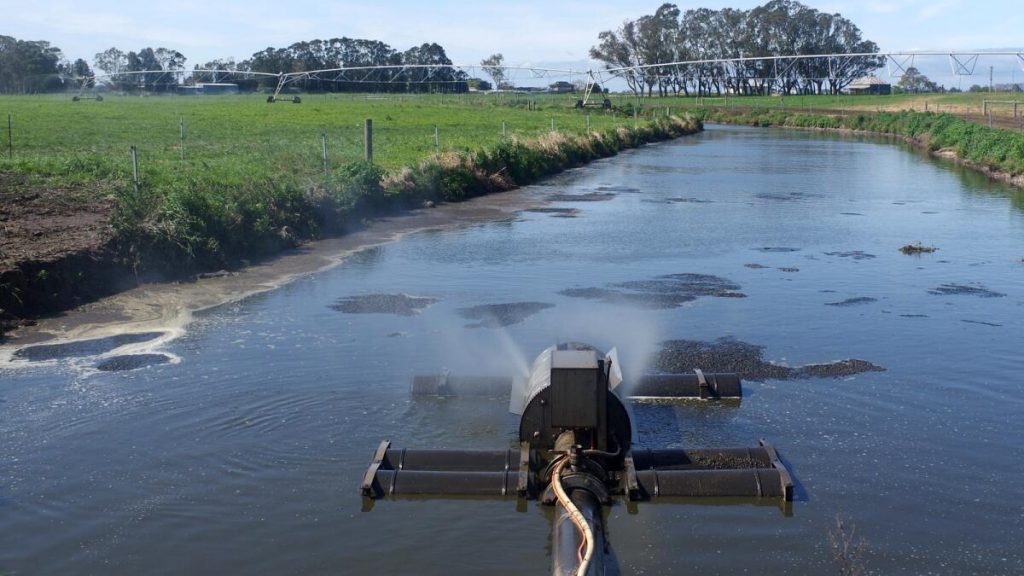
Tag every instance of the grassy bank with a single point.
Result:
(993, 149)
(226, 180)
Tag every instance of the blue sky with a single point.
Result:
(530, 32)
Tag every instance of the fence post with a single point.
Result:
(503, 132)
(181, 137)
(135, 168)
(588, 122)
(10, 139)
(437, 141)
(323, 147)
(552, 123)
(368, 139)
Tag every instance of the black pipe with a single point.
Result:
(705, 458)
(461, 483)
(450, 460)
(743, 483)
(566, 538)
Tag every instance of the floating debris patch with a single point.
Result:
(788, 269)
(917, 248)
(755, 266)
(500, 315)
(745, 359)
(638, 299)
(619, 189)
(961, 290)
(398, 304)
(588, 197)
(131, 362)
(839, 369)
(983, 323)
(556, 212)
(662, 292)
(913, 315)
(853, 301)
(776, 249)
(854, 255)
(851, 214)
(677, 201)
(82, 348)
(789, 197)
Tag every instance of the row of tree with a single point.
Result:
(373, 66)
(31, 66)
(148, 69)
(379, 68)
(643, 51)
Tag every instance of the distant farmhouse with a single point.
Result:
(562, 87)
(870, 85)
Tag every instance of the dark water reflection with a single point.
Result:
(245, 456)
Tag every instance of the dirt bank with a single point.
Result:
(168, 306)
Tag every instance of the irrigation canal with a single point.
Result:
(239, 446)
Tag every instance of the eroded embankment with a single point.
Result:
(996, 152)
(185, 230)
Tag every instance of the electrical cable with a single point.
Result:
(575, 515)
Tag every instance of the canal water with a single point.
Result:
(239, 446)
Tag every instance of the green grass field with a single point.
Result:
(243, 138)
(239, 139)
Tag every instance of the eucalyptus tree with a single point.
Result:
(494, 66)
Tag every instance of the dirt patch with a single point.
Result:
(41, 224)
(746, 360)
(662, 292)
(398, 304)
(961, 290)
(501, 315)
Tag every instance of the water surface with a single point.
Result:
(244, 454)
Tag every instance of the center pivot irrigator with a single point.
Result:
(576, 451)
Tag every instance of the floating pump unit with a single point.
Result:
(576, 451)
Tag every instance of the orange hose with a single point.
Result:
(575, 515)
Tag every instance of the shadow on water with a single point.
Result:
(81, 348)
(131, 362)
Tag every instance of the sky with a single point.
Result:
(530, 32)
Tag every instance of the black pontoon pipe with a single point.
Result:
(566, 539)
